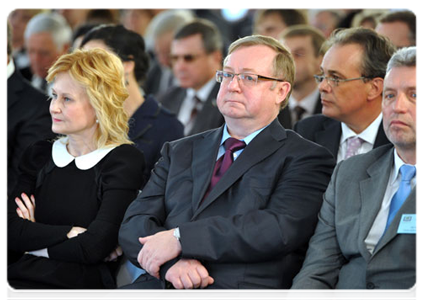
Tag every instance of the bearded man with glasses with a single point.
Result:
(350, 85)
(233, 207)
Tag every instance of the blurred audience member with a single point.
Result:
(305, 43)
(351, 86)
(271, 22)
(64, 214)
(399, 27)
(28, 118)
(196, 54)
(18, 19)
(366, 235)
(150, 125)
(138, 20)
(325, 20)
(47, 36)
(367, 18)
(103, 16)
(162, 29)
(74, 17)
(80, 32)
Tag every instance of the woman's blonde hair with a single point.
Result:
(101, 74)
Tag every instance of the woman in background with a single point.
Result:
(150, 125)
(66, 209)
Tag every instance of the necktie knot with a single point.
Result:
(232, 144)
(299, 111)
(407, 172)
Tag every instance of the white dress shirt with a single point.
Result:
(368, 136)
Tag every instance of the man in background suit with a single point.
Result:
(28, 117)
(366, 235)
(196, 54)
(350, 85)
(251, 228)
(47, 36)
(305, 44)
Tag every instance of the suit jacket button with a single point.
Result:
(370, 285)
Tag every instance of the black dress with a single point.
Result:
(91, 191)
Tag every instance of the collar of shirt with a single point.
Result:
(10, 68)
(368, 135)
(398, 163)
(203, 93)
(61, 156)
(308, 102)
(226, 135)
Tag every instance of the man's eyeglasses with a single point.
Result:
(246, 78)
(188, 58)
(334, 81)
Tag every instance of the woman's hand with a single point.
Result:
(26, 207)
(114, 255)
(75, 231)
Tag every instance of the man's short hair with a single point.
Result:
(52, 23)
(289, 16)
(210, 34)
(8, 35)
(377, 49)
(407, 17)
(405, 57)
(283, 64)
(317, 38)
(169, 21)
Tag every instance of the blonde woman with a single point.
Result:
(65, 212)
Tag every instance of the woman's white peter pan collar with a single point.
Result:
(62, 158)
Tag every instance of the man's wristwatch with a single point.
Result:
(176, 233)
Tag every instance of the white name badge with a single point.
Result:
(407, 224)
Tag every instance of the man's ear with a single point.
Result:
(375, 88)
(283, 90)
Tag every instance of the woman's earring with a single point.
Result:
(96, 120)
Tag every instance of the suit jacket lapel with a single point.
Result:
(253, 153)
(329, 137)
(372, 193)
(203, 164)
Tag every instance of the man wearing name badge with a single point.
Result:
(232, 207)
(366, 235)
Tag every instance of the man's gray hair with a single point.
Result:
(404, 57)
(52, 23)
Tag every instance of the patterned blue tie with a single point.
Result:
(407, 173)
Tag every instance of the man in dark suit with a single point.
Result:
(350, 85)
(249, 229)
(196, 54)
(366, 235)
(305, 44)
(28, 118)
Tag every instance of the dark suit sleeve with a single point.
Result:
(324, 257)
(281, 227)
